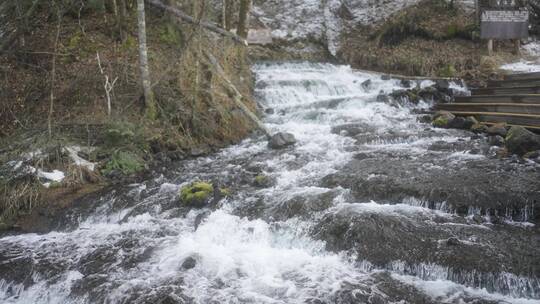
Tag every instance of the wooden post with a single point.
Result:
(517, 44)
(490, 47)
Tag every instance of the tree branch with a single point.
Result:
(209, 26)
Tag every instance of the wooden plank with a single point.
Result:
(514, 98)
(491, 107)
(522, 76)
(509, 118)
(506, 91)
(514, 83)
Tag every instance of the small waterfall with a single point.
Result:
(138, 244)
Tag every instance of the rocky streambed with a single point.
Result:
(369, 206)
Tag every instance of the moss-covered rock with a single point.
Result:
(225, 192)
(197, 194)
(520, 141)
(443, 119)
(479, 128)
(262, 181)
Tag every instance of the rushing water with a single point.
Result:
(272, 245)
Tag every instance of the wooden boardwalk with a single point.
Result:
(514, 100)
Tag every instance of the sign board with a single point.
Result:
(504, 24)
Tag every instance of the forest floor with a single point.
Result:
(88, 148)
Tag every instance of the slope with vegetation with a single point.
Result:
(70, 81)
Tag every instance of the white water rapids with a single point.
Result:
(135, 254)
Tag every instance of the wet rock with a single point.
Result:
(532, 155)
(198, 194)
(478, 219)
(383, 98)
(442, 84)
(520, 141)
(200, 218)
(479, 128)
(424, 119)
(366, 85)
(352, 129)
(281, 140)
(269, 111)
(176, 155)
(189, 263)
(497, 129)
(199, 151)
(460, 123)
(263, 181)
(385, 77)
(453, 241)
(362, 156)
(406, 83)
(304, 205)
(443, 119)
(496, 140)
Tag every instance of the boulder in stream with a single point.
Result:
(497, 129)
(520, 141)
(443, 119)
(281, 140)
(198, 194)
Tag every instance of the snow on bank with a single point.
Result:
(322, 19)
(523, 66)
(530, 65)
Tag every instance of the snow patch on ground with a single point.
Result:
(79, 161)
(322, 19)
(532, 64)
(523, 66)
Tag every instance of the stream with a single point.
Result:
(370, 206)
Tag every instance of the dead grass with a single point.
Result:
(427, 39)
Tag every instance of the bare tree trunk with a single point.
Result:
(149, 99)
(53, 75)
(123, 16)
(243, 18)
(227, 14)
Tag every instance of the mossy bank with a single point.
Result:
(96, 64)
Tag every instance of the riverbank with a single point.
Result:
(88, 145)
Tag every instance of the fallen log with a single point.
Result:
(181, 15)
(238, 97)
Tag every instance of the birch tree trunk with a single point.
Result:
(243, 18)
(149, 99)
(227, 14)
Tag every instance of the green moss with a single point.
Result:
(170, 34)
(261, 180)
(225, 192)
(96, 5)
(119, 133)
(196, 194)
(54, 185)
(448, 71)
(129, 44)
(125, 162)
(440, 122)
(452, 31)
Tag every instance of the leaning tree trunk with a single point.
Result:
(243, 18)
(149, 99)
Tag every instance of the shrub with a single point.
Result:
(125, 162)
